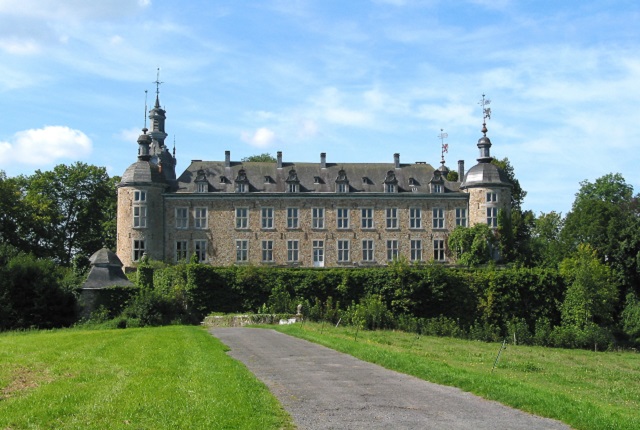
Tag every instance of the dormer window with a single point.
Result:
(317, 180)
(242, 183)
(437, 183)
(342, 182)
(390, 182)
(293, 184)
(223, 179)
(413, 182)
(202, 184)
(436, 188)
(267, 179)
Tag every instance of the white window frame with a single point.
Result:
(200, 218)
(437, 188)
(181, 250)
(416, 249)
(318, 253)
(492, 197)
(438, 218)
(392, 218)
(138, 249)
(368, 250)
(389, 188)
(415, 218)
(342, 218)
(293, 251)
(242, 218)
(342, 187)
(242, 250)
(461, 217)
(343, 250)
(182, 218)
(140, 216)
(139, 196)
(267, 251)
(202, 187)
(392, 249)
(266, 218)
(293, 218)
(317, 218)
(492, 217)
(366, 218)
(439, 250)
(241, 187)
(293, 187)
(200, 249)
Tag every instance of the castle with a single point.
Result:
(282, 213)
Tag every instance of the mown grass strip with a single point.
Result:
(152, 378)
(584, 389)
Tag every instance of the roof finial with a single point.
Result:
(174, 146)
(445, 146)
(145, 112)
(158, 82)
(486, 113)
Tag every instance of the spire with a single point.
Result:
(157, 82)
(445, 148)
(484, 144)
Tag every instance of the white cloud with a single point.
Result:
(19, 47)
(45, 146)
(73, 10)
(261, 138)
(130, 134)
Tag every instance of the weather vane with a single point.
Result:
(486, 111)
(145, 109)
(157, 82)
(445, 146)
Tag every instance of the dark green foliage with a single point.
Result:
(31, 295)
(631, 318)
(264, 157)
(472, 246)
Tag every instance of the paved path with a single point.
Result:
(325, 389)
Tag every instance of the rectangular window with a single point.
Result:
(392, 218)
(242, 218)
(438, 218)
(200, 218)
(267, 251)
(267, 218)
(293, 249)
(182, 218)
(438, 250)
(341, 187)
(342, 218)
(293, 187)
(492, 217)
(415, 218)
(139, 196)
(317, 217)
(392, 250)
(437, 188)
(318, 253)
(367, 250)
(461, 217)
(242, 187)
(389, 188)
(416, 250)
(200, 249)
(242, 251)
(139, 248)
(343, 251)
(292, 218)
(181, 250)
(492, 197)
(140, 216)
(366, 218)
(202, 187)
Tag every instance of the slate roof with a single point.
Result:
(266, 177)
(106, 271)
(142, 171)
(485, 174)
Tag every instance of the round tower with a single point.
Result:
(139, 220)
(488, 186)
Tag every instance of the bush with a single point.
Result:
(371, 314)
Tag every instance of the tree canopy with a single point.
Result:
(265, 157)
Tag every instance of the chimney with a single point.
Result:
(460, 170)
(227, 158)
(396, 160)
(279, 156)
(323, 160)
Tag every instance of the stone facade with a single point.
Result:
(298, 214)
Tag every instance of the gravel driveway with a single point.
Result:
(325, 389)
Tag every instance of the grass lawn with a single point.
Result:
(174, 377)
(586, 390)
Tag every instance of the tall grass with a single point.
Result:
(586, 390)
(152, 378)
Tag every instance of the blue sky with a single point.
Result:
(357, 79)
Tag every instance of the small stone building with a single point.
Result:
(106, 271)
(285, 213)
